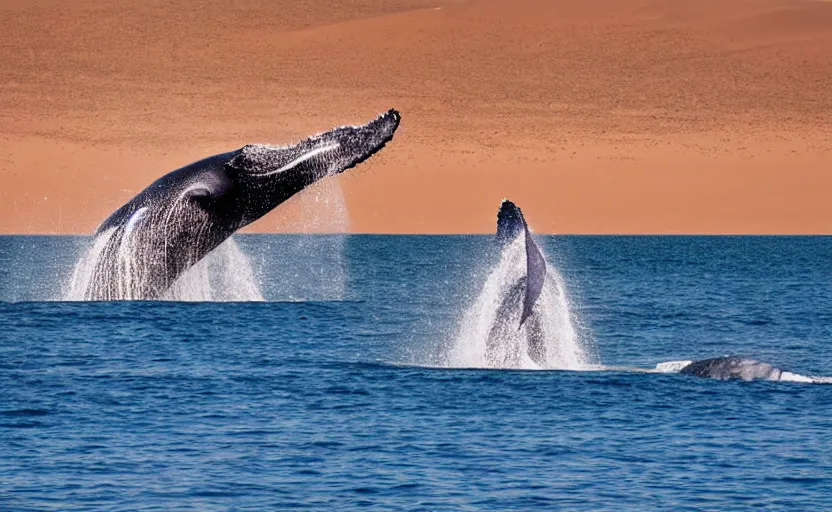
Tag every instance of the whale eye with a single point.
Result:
(206, 190)
(201, 196)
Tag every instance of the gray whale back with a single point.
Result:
(731, 368)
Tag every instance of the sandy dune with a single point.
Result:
(596, 116)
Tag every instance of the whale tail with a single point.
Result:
(510, 225)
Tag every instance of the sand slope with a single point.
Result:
(596, 116)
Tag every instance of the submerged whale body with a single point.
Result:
(732, 368)
(517, 306)
(145, 245)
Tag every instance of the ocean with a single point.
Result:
(337, 391)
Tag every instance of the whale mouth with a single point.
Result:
(330, 152)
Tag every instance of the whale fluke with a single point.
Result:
(510, 224)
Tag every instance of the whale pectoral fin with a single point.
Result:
(263, 161)
(320, 155)
(535, 275)
(510, 224)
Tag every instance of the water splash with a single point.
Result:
(322, 272)
(323, 208)
(84, 273)
(224, 274)
(489, 337)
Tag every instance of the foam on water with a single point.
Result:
(562, 347)
(796, 377)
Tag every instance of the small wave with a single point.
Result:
(25, 412)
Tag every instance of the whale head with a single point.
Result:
(510, 222)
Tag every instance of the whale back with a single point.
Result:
(732, 368)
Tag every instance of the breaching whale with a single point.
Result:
(517, 306)
(145, 245)
(735, 368)
(511, 224)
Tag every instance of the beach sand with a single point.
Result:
(595, 116)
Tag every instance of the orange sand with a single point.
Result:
(595, 116)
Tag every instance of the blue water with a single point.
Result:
(305, 402)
